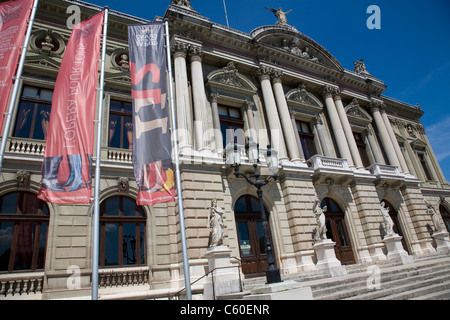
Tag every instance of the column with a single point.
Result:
(374, 146)
(283, 110)
(336, 125)
(375, 105)
(398, 151)
(248, 107)
(297, 138)
(216, 123)
(347, 130)
(323, 138)
(182, 101)
(276, 135)
(201, 131)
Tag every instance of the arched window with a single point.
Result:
(122, 233)
(23, 232)
(445, 216)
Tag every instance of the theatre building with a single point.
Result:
(337, 137)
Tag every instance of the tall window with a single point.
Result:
(362, 148)
(424, 165)
(23, 232)
(306, 139)
(120, 125)
(122, 230)
(34, 113)
(231, 124)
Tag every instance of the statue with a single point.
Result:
(280, 15)
(319, 212)
(387, 220)
(360, 67)
(215, 222)
(434, 217)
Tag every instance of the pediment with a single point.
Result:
(417, 144)
(123, 78)
(301, 99)
(230, 79)
(357, 114)
(293, 42)
(42, 61)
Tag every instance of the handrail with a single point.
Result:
(207, 274)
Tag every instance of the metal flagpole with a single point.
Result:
(226, 15)
(13, 97)
(95, 223)
(187, 277)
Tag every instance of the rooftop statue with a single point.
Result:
(280, 15)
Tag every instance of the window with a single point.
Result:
(306, 139)
(424, 166)
(120, 125)
(23, 232)
(362, 149)
(122, 233)
(34, 113)
(230, 121)
(445, 216)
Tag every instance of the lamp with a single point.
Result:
(233, 153)
(253, 151)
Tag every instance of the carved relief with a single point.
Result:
(123, 184)
(23, 179)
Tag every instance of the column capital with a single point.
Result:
(337, 94)
(179, 49)
(213, 97)
(329, 91)
(276, 76)
(196, 53)
(263, 73)
(317, 119)
(376, 105)
(248, 105)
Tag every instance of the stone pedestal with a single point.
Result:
(395, 251)
(225, 278)
(326, 258)
(285, 290)
(442, 242)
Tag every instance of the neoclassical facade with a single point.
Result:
(338, 138)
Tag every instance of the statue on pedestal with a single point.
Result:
(387, 220)
(215, 221)
(434, 217)
(321, 232)
(280, 15)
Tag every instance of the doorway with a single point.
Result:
(337, 231)
(247, 211)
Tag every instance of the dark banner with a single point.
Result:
(152, 150)
(67, 164)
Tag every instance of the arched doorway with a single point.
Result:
(337, 231)
(247, 212)
(397, 227)
(445, 216)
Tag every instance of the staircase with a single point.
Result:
(428, 278)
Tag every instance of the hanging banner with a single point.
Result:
(152, 149)
(13, 24)
(67, 165)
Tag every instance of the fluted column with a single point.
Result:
(276, 134)
(202, 133)
(376, 105)
(323, 139)
(216, 123)
(398, 151)
(182, 101)
(374, 146)
(336, 124)
(283, 111)
(347, 130)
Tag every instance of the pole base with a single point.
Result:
(273, 275)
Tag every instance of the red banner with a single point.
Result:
(152, 149)
(67, 165)
(13, 24)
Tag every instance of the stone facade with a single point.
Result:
(278, 79)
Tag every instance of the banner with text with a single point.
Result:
(152, 149)
(67, 165)
(13, 24)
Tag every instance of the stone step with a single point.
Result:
(440, 295)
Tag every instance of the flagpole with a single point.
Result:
(187, 277)
(95, 223)
(12, 100)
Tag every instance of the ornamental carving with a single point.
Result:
(230, 76)
(302, 96)
(23, 179)
(123, 184)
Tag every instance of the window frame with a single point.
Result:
(304, 137)
(122, 115)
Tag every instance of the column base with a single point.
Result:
(442, 242)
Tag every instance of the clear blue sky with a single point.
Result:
(410, 53)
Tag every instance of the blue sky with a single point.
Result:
(410, 53)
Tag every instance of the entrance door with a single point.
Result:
(251, 236)
(337, 231)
